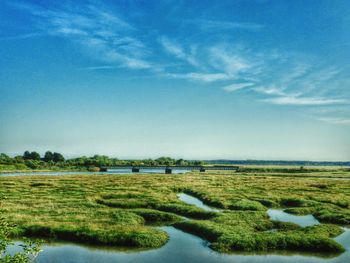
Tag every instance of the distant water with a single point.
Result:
(278, 162)
(112, 171)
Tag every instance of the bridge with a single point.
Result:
(168, 169)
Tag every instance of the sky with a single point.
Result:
(204, 79)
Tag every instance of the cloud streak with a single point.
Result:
(279, 78)
(204, 77)
(175, 49)
(304, 101)
(100, 33)
(237, 86)
(215, 25)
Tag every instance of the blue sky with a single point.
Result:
(193, 79)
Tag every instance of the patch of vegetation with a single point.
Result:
(227, 234)
(320, 186)
(324, 230)
(127, 218)
(245, 204)
(157, 217)
(123, 203)
(145, 238)
(301, 210)
(275, 240)
(266, 202)
(334, 201)
(39, 184)
(284, 226)
(333, 216)
(30, 248)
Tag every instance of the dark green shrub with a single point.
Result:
(293, 202)
(333, 216)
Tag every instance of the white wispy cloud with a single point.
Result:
(306, 101)
(204, 77)
(294, 73)
(106, 67)
(215, 25)
(304, 84)
(217, 63)
(237, 86)
(270, 90)
(101, 34)
(175, 49)
(232, 62)
(273, 91)
(319, 80)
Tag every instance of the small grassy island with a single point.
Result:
(125, 210)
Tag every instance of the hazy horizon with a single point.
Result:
(263, 80)
(72, 156)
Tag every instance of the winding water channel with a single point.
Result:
(188, 199)
(187, 248)
(280, 215)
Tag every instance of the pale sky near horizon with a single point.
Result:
(188, 79)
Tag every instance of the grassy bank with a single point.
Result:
(249, 231)
(121, 209)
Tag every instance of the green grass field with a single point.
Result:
(122, 210)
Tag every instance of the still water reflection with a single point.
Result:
(280, 215)
(182, 247)
(188, 199)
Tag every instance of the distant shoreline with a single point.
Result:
(278, 162)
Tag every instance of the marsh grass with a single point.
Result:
(121, 210)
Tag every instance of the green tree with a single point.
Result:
(48, 156)
(181, 162)
(198, 163)
(26, 155)
(5, 159)
(165, 161)
(57, 157)
(4, 156)
(35, 156)
(18, 159)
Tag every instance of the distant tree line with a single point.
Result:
(56, 161)
(49, 156)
